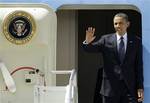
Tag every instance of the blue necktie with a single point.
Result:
(121, 50)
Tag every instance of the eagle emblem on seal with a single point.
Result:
(19, 27)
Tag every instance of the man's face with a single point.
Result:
(120, 25)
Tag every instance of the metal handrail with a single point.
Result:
(61, 71)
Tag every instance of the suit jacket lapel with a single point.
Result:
(129, 48)
(114, 37)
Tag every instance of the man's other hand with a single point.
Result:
(140, 95)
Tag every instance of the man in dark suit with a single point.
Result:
(97, 96)
(122, 79)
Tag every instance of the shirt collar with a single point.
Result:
(124, 36)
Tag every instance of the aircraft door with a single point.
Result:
(28, 49)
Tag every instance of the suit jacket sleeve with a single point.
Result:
(95, 45)
(139, 66)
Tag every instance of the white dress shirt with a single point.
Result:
(124, 40)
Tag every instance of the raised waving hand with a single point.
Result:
(90, 35)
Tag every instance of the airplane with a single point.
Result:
(36, 68)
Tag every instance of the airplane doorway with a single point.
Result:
(89, 81)
(73, 20)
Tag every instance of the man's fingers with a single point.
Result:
(90, 30)
(140, 95)
(93, 30)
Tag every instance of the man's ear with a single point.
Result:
(128, 23)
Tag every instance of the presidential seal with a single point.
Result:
(19, 27)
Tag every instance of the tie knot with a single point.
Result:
(121, 38)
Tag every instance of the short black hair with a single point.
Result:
(123, 15)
